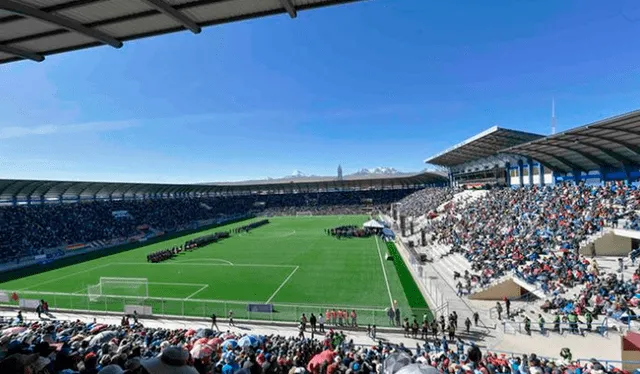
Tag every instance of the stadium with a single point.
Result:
(513, 252)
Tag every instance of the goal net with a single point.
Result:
(304, 214)
(136, 288)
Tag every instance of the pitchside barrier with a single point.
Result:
(202, 308)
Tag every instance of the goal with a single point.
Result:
(304, 214)
(108, 286)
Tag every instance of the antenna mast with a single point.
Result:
(553, 116)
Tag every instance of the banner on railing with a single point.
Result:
(139, 309)
(75, 247)
(29, 303)
(4, 297)
(260, 308)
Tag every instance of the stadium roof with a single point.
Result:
(24, 189)
(485, 144)
(32, 29)
(611, 142)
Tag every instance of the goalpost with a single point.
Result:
(116, 286)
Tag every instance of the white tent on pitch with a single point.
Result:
(373, 224)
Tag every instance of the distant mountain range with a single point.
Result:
(379, 171)
(361, 172)
(300, 176)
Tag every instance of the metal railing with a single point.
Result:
(578, 328)
(167, 306)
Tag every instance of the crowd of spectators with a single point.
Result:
(65, 347)
(424, 201)
(330, 210)
(536, 233)
(27, 230)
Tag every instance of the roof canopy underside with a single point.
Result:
(485, 144)
(32, 29)
(613, 142)
(35, 189)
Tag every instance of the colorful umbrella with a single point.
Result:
(201, 350)
(248, 341)
(214, 341)
(326, 355)
(230, 343)
(13, 330)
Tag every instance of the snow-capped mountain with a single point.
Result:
(378, 171)
(298, 174)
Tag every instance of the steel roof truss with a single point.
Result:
(66, 23)
(176, 15)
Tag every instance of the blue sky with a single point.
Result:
(379, 83)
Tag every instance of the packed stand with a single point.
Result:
(26, 230)
(424, 201)
(65, 347)
(536, 232)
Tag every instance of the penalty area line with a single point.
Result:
(282, 285)
(197, 292)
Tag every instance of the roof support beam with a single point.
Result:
(67, 23)
(562, 160)
(631, 147)
(596, 160)
(622, 159)
(618, 130)
(177, 16)
(288, 5)
(19, 52)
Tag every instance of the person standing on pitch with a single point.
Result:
(214, 322)
(321, 322)
(231, 318)
(313, 321)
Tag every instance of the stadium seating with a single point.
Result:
(55, 347)
(28, 230)
(534, 234)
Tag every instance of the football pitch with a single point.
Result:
(290, 263)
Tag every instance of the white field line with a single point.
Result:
(179, 284)
(202, 285)
(384, 271)
(64, 277)
(206, 260)
(214, 264)
(197, 292)
(282, 285)
(289, 234)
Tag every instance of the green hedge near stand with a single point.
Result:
(416, 300)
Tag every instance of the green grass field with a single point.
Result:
(290, 263)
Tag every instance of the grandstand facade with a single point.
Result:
(597, 152)
(18, 192)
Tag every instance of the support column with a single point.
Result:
(530, 165)
(520, 169)
(403, 222)
(576, 176)
(507, 167)
(14, 201)
(541, 170)
(423, 237)
(411, 226)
